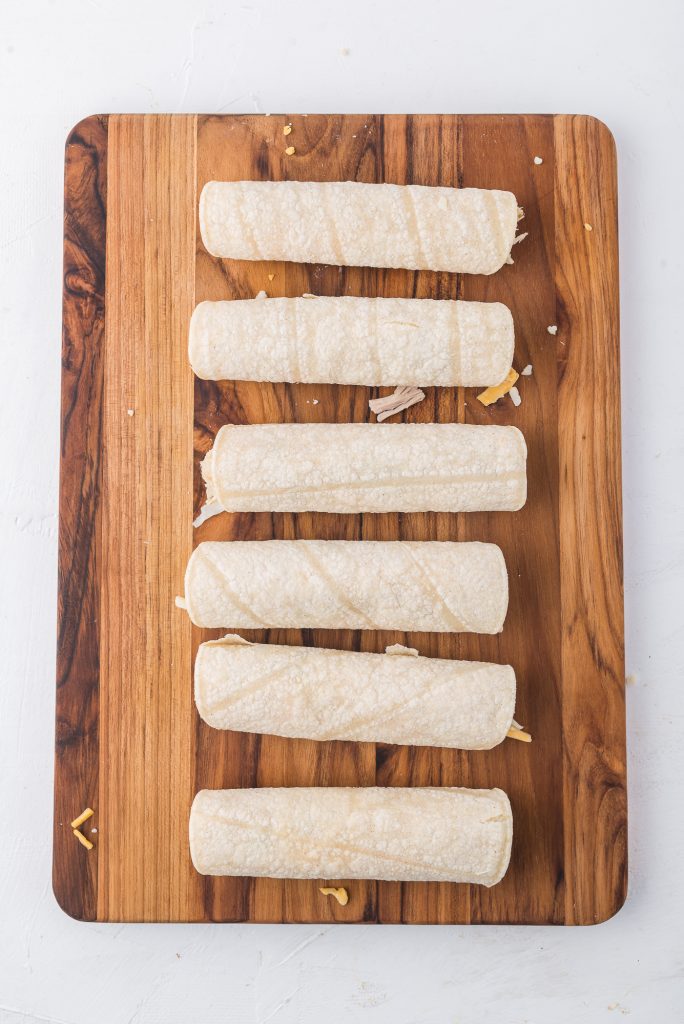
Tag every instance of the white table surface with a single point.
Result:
(618, 60)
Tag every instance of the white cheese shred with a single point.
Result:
(390, 405)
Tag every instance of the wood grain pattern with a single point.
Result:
(74, 875)
(146, 729)
(131, 666)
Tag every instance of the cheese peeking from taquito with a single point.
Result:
(366, 467)
(391, 833)
(433, 586)
(348, 340)
(349, 223)
(319, 694)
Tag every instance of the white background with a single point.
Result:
(620, 61)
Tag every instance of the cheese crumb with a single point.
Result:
(588, 227)
(271, 276)
(402, 398)
(130, 412)
(401, 650)
(209, 509)
(287, 129)
(538, 160)
(88, 813)
(520, 238)
(515, 396)
(527, 372)
(552, 329)
(519, 734)
(493, 394)
(315, 401)
(341, 895)
(290, 151)
(82, 839)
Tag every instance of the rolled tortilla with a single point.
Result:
(395, 834)
(438, 586)
(367, 467)
(319, 694)
(348, 340)
(348, 223)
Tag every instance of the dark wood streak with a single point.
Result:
(76, 746)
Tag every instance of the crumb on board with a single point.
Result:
(553, 329)
(515, 396)
(527, 371)
(493, 394)
(287, 129)
(209, 509)
(400, 399)
(82, 839)
(538, 160)
(588, 227)
(271, 276)
(290, 151)
(402, 651)
(519, 734)
(83, 816)
(130, 412)
(340, 894)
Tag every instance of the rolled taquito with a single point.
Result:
(349, 223)
(404, 585)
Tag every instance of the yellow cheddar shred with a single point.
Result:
(493, 394)
(519, 734)
(77, 822)
(82, 839)
(341, 895)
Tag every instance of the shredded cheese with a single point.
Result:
(491, 395)
(88, 813)
(209, 509)
(290, 151)
(552, 329)
(519, 734)
(82, 839)
(402, 398)
(538, 160)
(515, 396)
(287, 129)
(341, 895)
(401, 650)
(527, 372)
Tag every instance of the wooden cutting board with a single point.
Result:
(135, 425)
